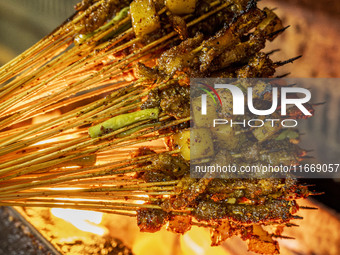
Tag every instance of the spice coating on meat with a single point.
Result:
(278, 211)
(181, 57)
(179, 224)
(171, 165)
(173, 100)
(151, 220)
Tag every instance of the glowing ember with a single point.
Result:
(84, 220)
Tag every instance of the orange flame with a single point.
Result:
(87, 221)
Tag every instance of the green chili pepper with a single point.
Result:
(122, 121)
(79, 39)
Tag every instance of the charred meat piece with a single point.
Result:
(259, 65)
(171, 165)
(156, 176)
(275, 211)
(179, 224)
(180, 58)
(228, 37)
(173, 100)
(151, 220)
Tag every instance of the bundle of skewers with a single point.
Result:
(96, 116)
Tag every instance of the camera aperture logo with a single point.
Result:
(285, 94)
(204, 97)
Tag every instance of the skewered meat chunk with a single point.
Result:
(239, 53)
(259, 65)
(172, 100)
(151, 220)
(147, 73)
(156, 176)
(179, 25)
(270, 25)
(153, 99)
(171, 165)
(181, 57)
(179, 224)
(277, 210)
(228, 37)
(189, 189)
